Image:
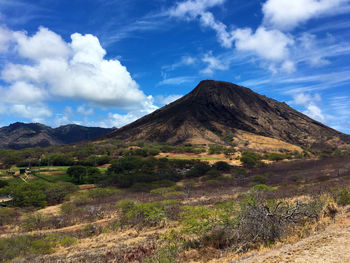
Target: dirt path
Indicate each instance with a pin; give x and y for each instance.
(331, 245)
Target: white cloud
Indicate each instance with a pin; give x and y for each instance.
(269, 44)
(213, 64)
(45, 44)
(225, 38)
(191, 8)
(36, 113)
(310, 103)
(288, 14)
(315, 113)
(85, 111)
(5, 38)
(21, 92)
(288, 66)
(305, 98)
(119, 120)
(75, 70)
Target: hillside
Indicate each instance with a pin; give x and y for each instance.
(216, 111)
(22, 135)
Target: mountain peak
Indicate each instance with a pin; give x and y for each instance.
(215, 109)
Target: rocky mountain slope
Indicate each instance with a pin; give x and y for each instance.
(22, 135)
(215, 111)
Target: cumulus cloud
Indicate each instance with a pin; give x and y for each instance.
(5, 38)
(288, 14)
(310, 103)
(119, 120)
(213, 64)
(315, 113)
(269, 44)
(36, 113)
(76, 70)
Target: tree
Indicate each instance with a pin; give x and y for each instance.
(78, 173)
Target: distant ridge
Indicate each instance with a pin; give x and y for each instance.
(215, 109)
(24, 135)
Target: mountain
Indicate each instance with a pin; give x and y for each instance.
(22, 135)
(217, 112)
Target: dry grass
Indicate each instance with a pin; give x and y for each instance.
(261, 143)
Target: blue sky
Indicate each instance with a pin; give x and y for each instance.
(109, 62)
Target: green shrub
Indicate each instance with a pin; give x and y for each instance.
(77, 173)
(34, 221)
(213, 173)
(126, 205)
(62, 240)
(262, 188)
(275, 156)
(24, 245)
(3, 183)
(222, 166)
(343, 197)
(7, 215)
(165, 190)
(57, 193)
(216, 149)
(27, 194)
(250, 159)
(99, 193)
(143, 214)
(199, 169)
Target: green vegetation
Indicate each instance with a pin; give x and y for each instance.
(37, 193)
(7, 215)
(19, 246)
(250, 159)
(147, 214)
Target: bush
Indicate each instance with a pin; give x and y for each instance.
(222, 166)
(99, 193)
(7, 215)
(275, 156)
(27, 194)
(213, 173)
(216, 149)
(3, 183)
(342, 197)
(20, 246)
(143, 214)
(199, 169)
(93, 175)
(250, 159)
(57, 193)
(34, 221)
